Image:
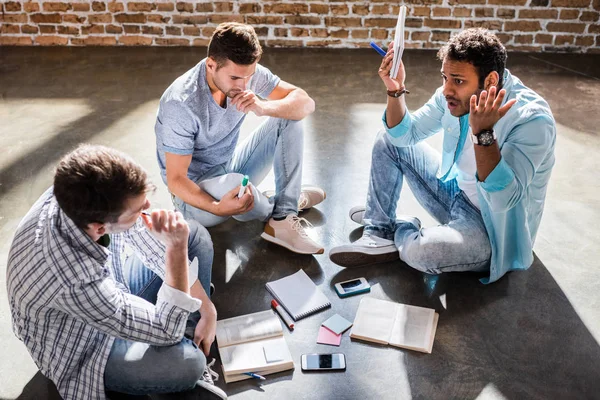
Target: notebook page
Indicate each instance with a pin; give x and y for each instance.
(247, 328)
(413, 327)
(250, 357)
(398, 42)
(374, 320)
(298, 294)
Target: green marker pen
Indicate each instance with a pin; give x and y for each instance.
(245, 180)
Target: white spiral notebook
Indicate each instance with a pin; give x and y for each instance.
(299, 295)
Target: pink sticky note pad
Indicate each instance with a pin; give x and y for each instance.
(328, 337)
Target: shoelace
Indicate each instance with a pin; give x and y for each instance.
(212, 375)
(297, 225)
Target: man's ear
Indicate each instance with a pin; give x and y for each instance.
(491, 80)
(96, 229)
(211, 64)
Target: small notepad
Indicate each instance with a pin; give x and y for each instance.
(328, 337)
(274, 351)
(299, 295)
(337, 324)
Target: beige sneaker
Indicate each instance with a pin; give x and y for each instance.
(290, 234)
(310, 196)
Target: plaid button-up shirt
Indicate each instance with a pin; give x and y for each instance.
(69, 299)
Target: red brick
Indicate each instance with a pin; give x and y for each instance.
(300, 20)
(379, 34)
(92, 29)
(95, 41)
(570, 3)
(525, 39)
(505, 13)
(299, 32)
(129, 18)
(69, 30)
(15, 41)
(114, 29)
(584, 41)
(323, 43)
(140, 6)
(73, 19)
(421, 11)
(286, 8)
(441, 12)
(218, 19)
(543, 38)
(15, 18)
(561, 40)
(208, 31)
(191, 31)
(283, 32)
(51, 40)
(165, 7)
(420, 36)
(455, 2)
(158, 19)
(589, 16)
(173, 30)
(12, 6)
(359, 33)
(524, 26)
(152, 30)
(98, 6)
(491, 25)
(357, 9)
(565, 27)
(81, 7)
(223, 7)
(380, 9)
(132, 29)
(100, 18)
(29, 29)
(201, 42)
(115, 7)
(204, 7)
(538, 14)
(31, 7)
(485, 12)
(413, 22)
(381, 22)
(339, 9)
(595, 28)
(569, 14)
(54, 6)
(508, 2)
(442, 23)
(248, 8)
(503, 37)
(172, 42)
(43, 18)
(269, 19)
(47, 29)
(135, 40)
(10, 29)
(440, 36)
(262, 31)
(462, 12)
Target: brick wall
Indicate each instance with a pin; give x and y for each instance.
(523, 25)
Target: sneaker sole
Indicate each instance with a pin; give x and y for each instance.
(281, 243)
(350, 259)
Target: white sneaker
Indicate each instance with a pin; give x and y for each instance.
(369, 249)
(357, 213)
(290, 234)
(310, 196)
(207, 382)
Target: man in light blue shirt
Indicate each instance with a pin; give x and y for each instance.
(488, 189)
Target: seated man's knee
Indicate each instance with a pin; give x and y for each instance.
(231, 181)
(190, 367)
(419, 256)
(381, 145)
(199, 237)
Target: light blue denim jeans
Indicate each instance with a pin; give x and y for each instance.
(276, 143)
(139, 368)
(461, 243)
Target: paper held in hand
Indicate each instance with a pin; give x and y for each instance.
(398, 43)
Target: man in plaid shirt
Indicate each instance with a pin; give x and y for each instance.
(95, 318)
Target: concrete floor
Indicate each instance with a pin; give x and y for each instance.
(534, 334)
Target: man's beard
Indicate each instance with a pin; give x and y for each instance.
(230, 93)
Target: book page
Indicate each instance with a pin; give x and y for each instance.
(250, 357)
(398, 42)
(413, 327)
(374, 320)
(247, 328)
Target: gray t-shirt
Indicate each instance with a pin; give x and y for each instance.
(189, 120)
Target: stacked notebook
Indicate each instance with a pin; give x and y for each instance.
(396, 324)
(252, 343)
(298, 294)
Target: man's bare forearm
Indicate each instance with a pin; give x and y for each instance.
(395, 111)
(191, 194)
(295, 106)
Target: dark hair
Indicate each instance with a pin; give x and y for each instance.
(93, 183)
(236, 42)
(479, 47)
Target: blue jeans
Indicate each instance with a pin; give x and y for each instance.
(276, 143)
(461, 243)
(139, 368)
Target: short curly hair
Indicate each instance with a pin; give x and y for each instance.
(236, 42)
(479, 47)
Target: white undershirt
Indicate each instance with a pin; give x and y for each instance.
(466, 172)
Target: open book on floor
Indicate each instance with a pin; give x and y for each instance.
(252, 343)
(396, 324)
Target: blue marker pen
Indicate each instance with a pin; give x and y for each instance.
(378, 49)
(255, 376)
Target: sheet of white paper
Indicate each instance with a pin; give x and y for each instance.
(275, 351)
(398, 43)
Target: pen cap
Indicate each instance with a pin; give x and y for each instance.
(245, 180)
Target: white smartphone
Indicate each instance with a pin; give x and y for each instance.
(323, 362)
(352, 287)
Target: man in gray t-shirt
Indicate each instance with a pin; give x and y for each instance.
(197, 130)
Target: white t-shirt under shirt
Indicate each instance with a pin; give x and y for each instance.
(467, 182)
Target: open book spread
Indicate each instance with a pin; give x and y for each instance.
(400, 325)
(398, 43)
(252, 343)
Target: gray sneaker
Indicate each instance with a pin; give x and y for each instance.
(207, 382)
(357, 213)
